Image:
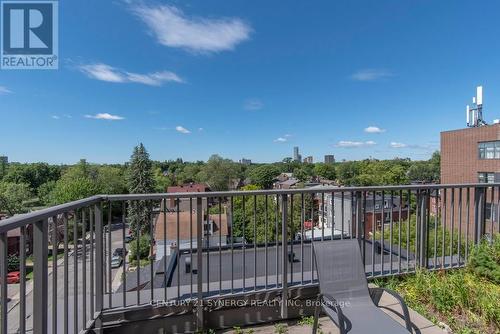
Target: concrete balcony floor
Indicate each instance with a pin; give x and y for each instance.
(421, 325)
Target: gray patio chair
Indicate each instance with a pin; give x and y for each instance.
(344, 293)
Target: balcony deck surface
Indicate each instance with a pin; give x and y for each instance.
(421, 325)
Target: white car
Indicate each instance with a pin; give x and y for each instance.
(116, 261)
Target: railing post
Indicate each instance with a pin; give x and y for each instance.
(40, 276)
(199, 266)
(479, 213)
(423, 260)
(3, 286)
(284, 248)
(359, 223)
(99, 250)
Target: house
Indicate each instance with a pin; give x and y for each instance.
(14, 241)
(186, 188)
(184, 224)
(235, 184)
(288, 184)
(284, 177)
(342, 216)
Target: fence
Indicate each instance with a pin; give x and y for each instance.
(198, 247)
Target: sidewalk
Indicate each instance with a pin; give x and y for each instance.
(29, 283)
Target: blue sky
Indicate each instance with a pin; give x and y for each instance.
(253, 79)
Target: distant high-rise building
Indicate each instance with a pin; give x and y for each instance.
(244, 161)
(329, 159)
(308, 159)
(296, 154)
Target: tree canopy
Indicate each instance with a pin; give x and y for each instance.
(42, 184)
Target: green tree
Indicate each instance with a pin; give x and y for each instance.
(426, 171)
(13, 197)
(325, 170)
(301, 173)
(264, 175)
(218, 173)
(347, 172)
(144, 248)
(162, 181)
(189, 173)
(71, 189)
(140, 181)
(3, 168)
(34, 174)
(258, 218)
(111, 180)
(45, 193)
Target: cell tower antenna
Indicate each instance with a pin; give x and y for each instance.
(474, 113)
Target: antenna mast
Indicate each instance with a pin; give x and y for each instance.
(474, 113)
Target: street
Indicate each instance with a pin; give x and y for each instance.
(82, 267)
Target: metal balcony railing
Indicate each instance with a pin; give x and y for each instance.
(207, 247)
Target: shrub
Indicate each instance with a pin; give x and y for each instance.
(12, 263)
(484, 259)
(144, 247)
(466, 299)
(443, 239)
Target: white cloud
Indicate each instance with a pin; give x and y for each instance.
(4, 90)
(253, 104)
(355, 144)
(182, 129)
(104, 72)
(200, 129)
(281, 140)
(371, 75)
(394, 144)
(374, 129)
(105, 116)
(61, 116)
(174, 29)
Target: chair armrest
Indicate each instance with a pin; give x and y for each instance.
(333, 304)
(376, 294)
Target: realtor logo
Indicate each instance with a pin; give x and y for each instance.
(29, 34)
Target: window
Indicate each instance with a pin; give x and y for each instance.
(485, 177)
(489, 150)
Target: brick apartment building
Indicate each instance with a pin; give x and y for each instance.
(471, 155)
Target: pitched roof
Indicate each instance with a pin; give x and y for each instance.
(189, 188)
(186, 219)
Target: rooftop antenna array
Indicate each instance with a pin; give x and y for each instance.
(474, 112)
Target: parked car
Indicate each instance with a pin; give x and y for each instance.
(128, 238)
(120, 252)
(116, 261)
(13, 277)
(79, 250)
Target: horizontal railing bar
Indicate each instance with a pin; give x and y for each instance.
(28, 218)
(32, 217)
(312, 190)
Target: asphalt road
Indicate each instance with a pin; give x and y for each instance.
(81, 274)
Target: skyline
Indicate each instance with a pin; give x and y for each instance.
(191, 79)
